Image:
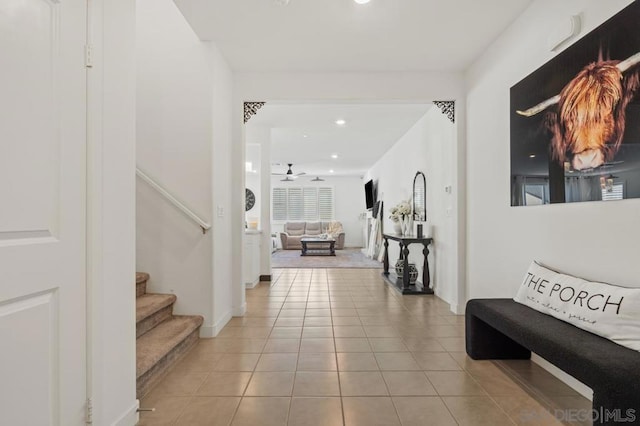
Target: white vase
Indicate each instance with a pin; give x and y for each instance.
(406, 225)
(397, 228)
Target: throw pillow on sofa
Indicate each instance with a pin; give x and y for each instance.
(335, 229)
(607, 310)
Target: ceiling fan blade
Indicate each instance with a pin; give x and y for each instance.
(300, 174)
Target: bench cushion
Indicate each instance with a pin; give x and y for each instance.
(596, 361)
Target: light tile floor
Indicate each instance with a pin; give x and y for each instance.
(338, 347)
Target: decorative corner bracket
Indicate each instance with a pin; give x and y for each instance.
(448, 108)
(251, 109)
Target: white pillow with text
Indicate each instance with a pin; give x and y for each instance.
(606, 310)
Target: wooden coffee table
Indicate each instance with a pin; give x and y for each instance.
(318, 246)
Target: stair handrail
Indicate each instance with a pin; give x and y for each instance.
(173, 200)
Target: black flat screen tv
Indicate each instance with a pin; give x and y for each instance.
(369, 194)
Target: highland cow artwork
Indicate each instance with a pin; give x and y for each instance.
(575, 122)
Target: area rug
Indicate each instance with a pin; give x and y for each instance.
(347, 258)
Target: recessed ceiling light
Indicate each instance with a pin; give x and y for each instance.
(532, 156)
(362, 1)
(334, 156)
(331, 171)
(341, 122)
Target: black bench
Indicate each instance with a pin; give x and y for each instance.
(505, 329)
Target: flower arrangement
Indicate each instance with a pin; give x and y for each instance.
(399, 212)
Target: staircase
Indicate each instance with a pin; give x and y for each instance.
(161, 337)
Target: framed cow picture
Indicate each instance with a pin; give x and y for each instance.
(575, 121)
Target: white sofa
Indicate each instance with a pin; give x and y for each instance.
(294, 231)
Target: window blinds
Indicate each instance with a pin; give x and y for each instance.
(302, 203)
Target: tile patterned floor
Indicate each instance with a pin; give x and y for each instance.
(338, 347)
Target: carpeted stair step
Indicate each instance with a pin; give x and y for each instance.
(141, 283)
(159, 348)
(151, 310)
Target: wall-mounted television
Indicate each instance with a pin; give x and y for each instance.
(369, 193)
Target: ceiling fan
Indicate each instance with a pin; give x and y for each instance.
(289, 174)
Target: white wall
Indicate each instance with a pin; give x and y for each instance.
(349, 204)
(253, 182)
(183, 135)
(258, 140)
(110, 211)
(595, 240)
(427, 147)
(224, 281)
(373, 86)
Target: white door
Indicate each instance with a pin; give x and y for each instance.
(42, 212)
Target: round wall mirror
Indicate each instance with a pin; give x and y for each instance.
(419, 197)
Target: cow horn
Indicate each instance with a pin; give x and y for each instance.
(622, 66)
(629, 62)
(540, 107)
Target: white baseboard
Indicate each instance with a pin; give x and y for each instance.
(453, 307)
(213, 330)
(130, 417)
(457, 309)
(240, 311)
(252, 285)
(207, 331)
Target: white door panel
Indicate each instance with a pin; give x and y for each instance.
(35, 349)
(42, 212)
(28, 115)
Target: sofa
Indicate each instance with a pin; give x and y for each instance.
(294, 231)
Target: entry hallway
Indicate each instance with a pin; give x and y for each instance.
(338, 347)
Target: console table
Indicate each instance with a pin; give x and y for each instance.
(402, 283)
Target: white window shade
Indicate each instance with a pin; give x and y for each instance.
(297, 203)
(279, 204)
(325, 204)
(310, 203)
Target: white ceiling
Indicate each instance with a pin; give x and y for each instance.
(370, 130)
(340, 35)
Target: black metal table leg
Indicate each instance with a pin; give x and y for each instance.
(426, 276)
(386, 256)
(405, 272)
